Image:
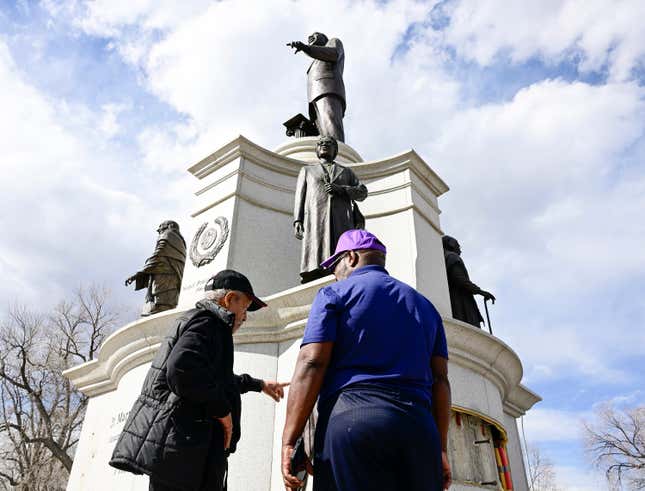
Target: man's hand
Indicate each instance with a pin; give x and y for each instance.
(227, 426)
(297, 45)
(334, 189)
(275, 390)
(447, 473)
(298, 230)
(130, 280)
(290, 482)
(487, 295)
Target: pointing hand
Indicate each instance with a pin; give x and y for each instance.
(297, 45)
(273, 389)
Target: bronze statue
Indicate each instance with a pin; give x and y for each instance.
(163, 271)
(462, 290)
(325, 87)
(325, 207)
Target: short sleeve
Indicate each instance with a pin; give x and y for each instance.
(440, 347)
(323, 318)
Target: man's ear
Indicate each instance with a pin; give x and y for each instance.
(228, 298)
(353, 258)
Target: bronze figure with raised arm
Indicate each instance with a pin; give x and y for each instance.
(325, 87)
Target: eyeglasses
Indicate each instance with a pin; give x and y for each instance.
(333, 265)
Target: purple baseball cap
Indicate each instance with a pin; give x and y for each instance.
(353, 240)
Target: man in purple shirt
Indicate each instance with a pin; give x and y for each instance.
(374, 354)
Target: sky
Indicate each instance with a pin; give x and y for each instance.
(532, 112)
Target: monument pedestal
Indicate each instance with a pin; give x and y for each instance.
(250, 189)
(242, 220)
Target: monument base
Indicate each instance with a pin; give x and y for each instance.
(247, 192)
(484, 374)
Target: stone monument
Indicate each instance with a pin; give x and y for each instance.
(242, 219)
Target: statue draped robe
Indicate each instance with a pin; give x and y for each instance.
(462, 291)
(324, 217)
(162, 273)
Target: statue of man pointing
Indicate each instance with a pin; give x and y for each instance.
(325, 87)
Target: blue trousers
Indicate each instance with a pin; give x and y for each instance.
(375, 437)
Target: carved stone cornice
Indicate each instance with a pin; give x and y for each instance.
(285, 319)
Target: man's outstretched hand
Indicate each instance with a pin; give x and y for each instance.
(275, 390)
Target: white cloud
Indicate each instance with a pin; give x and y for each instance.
(626, 401)
(543, 195)
(602, 33)
(574, 478)
(560, 350)
(551, 425)
(66, 218)
(111, 17)
(109, 124)
(547, 166)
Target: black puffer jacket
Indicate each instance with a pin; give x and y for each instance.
(170, 428)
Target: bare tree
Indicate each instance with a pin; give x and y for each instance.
(41, 413)
(541, 475)
(616, 442)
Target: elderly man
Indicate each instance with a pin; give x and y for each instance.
(374, 353)
(325, 87)
(324, 207)
(186, 421)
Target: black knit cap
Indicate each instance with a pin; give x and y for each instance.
(227, 279)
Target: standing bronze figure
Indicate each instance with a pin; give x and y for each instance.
(462, 290)
(163, 271)
(324, 207)
(325, 87)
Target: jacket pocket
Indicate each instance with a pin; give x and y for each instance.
(189, 432)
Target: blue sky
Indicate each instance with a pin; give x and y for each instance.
(534, 114)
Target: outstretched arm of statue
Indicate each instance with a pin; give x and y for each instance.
(322, 53)
(140, 279)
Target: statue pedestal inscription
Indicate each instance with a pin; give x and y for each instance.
(243, 219)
